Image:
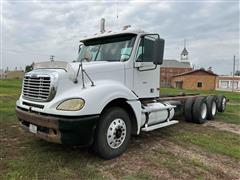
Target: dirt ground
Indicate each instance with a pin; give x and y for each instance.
(224, 126)
(139, 158)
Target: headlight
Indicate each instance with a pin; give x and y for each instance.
(71, 105)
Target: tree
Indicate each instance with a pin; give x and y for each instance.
(237, 73)
(29, 67)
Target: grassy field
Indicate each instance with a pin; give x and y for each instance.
(182, 151)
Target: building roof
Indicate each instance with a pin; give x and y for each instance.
(184, 52)
(194, 71)
(172, 63)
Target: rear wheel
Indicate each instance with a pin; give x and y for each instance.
(113, 133)
(188, 109)
(200, 110)
(221, 103)
(211, 107)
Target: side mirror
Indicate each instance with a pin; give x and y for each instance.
(158, 51)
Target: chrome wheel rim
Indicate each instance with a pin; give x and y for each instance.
(214, 108)
(223, 103)
(203, 110)
(116, 133)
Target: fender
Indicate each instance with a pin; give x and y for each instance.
(95, 97)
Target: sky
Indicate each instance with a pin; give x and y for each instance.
(32, 30)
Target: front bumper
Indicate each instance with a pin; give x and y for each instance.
(60, 129)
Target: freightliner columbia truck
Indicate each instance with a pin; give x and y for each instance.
(109, 94)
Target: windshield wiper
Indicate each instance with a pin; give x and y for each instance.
(83, 72)
(97, 52)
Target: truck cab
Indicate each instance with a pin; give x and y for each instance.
(110, 93)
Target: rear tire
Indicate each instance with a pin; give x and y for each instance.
(211, 107)
(188, 109)
(221, 103)
(200, 110)
(113, 133)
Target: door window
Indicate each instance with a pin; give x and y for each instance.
(145, 50)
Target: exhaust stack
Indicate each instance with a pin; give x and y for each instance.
(102, 25)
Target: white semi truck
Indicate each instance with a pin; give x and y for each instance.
(110, 93)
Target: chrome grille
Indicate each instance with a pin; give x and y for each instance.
(37, 87)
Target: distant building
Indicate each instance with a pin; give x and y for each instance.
(172, 67)
(2, 74)
(17, 74)
(195, 79)
(226, 83)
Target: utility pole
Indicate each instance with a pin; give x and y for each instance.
(51, 58)
(233, 73)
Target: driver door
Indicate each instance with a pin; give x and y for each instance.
(145, 73)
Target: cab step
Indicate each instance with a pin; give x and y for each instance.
(160, 125)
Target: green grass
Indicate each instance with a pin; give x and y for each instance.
(140, 175)
(23, 156)
(231, 115)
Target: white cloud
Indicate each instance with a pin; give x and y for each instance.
(36, 29)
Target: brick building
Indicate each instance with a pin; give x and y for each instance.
(171, 67)
(195, 79)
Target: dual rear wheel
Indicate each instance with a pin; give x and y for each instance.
(200, 109)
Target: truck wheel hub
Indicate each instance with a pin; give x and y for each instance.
(223, 103)
(214, 108)
(203, 110)
(116, 133)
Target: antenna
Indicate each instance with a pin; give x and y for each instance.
(184, 43)
(51, 58)
(117, 14)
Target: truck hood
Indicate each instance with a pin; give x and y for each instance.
(97, 70)
(96, 66)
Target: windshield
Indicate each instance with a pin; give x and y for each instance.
(107, 49)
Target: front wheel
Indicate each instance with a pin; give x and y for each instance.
(113, 133)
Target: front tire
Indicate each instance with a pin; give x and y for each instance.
(113, 133)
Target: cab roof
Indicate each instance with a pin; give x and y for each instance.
(112, 33)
